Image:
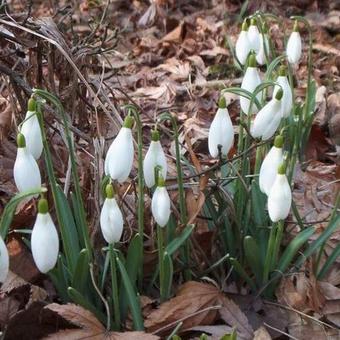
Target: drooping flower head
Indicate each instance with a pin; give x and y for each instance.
(111, 218)
(294, 45)
(44, 239)
(287, 98)
(264, 51)
(221, 132)
(242, 47)
(4, 261)
(160, 204)
(154, 157)
(254, 36)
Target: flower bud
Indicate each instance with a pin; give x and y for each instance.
(160, 204)
(44, 239)
(4, 261)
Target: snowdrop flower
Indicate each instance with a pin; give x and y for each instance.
(4, 261)
(26, 171)
(270, 165)
(44, 239)
(294, 45)
(250, 81)
(154, 157)
(111, 218)
(254, 36)
(280, 196)
(160, 204)
(287, 99)
(264, 44)
(268, 119)
(242, 47)
(119, 158)
(221, 131)
(31, 130)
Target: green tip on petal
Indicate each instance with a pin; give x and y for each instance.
(160, 181)
(155, 135)
(252, 60)
(281, 170)
(109, 190)
(282, 71)
(278, 141)
(21, 141)
(296, 26)
(43, 206)
(32, 104)
(222, 103)
(244, 26)
(128, 122)
(279, 94)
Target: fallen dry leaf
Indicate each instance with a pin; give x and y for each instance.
(262, 334)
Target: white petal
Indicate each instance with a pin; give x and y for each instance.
(242, 47)
(155, 156)
(111, 221)
(279, 199)
(267, 120)
(221, 132)
(268, 169)
(31, 130)
(26, 171)
(254, 38)
(294, 48)
(261, 55)
(119, 158)
(4, 260)
(44, 243)
(287, 98)
(250, 81)
(160, 206)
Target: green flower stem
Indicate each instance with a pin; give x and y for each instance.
(114, 283)
(270, 250)
(140, 212)
(160, 244)
(278, 239)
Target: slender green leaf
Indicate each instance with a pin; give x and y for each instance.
(178, 241)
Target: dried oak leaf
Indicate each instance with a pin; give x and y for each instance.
(193, 305)
(89, 326)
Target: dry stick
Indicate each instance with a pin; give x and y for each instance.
(68, 58)
(281, 332)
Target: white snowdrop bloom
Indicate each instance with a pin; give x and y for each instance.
(261, 54)
(26, 171)
(221, 131)
(254, 36)
(280, 197)
(287, 98)
(31, 130)
(119, 158)
(270, 164)
(160, 204)
(4, 261)
(242, 47)
(44, 239)
(154, 157)
(294, 46)
(268, 119)
(111, 218)
(250, 81)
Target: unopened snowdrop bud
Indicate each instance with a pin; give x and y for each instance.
(26, 171)
(280, 196)
(250, 81)
(4, 261)
(154, 157)
(160, 204)
(221, 132)
(268, 119)
(119, 158)
(111, 218)
(31, 130)
(44, 239)
(242, 47)
(287, 98)
(270, 165)
(254, 36)
(263, 53)
(294, 45)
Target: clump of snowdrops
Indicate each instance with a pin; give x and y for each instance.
(247, 201)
